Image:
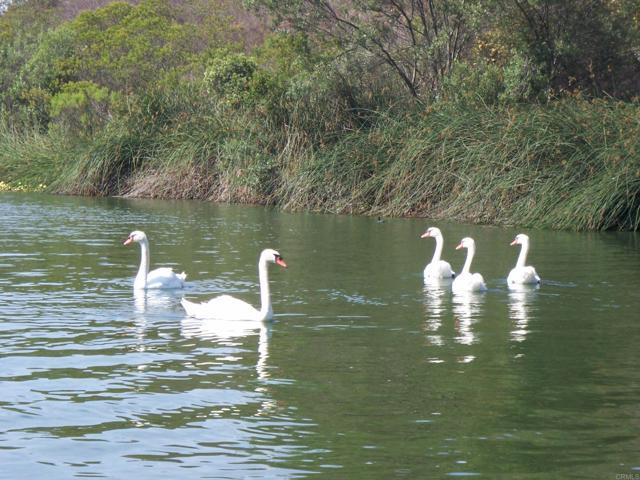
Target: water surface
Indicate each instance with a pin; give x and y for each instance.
(365, 372)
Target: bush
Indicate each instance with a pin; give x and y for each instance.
(82, 107)
(479, 84)
(524, 81)
(230, 76)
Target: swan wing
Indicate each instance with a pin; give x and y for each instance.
(468, 282)
(445, 269)
(478, 284)
(165, 277)
(224, 307)
(461, 283)
(439, 270)
(532, 275)
(430, 272)
(523, 275)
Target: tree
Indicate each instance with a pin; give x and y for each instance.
(120, 46)
(419, 40)
(591, 46)
(22, 27)
(81, 107)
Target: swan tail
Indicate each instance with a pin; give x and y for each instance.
(182, 276)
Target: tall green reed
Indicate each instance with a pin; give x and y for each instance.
(571, 164)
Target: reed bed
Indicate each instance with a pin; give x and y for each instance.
(31, 159)
(572, 164)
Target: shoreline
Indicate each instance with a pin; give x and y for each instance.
(572, 165)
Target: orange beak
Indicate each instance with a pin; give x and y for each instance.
(128, 241)
(515, 242)
(280, 262)
(459, 247)
(425, 235)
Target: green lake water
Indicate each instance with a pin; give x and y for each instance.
(364, 373)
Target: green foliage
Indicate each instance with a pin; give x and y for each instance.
(121, 47)
(82, 107)
(286, 55)
(124, 47)
(418, 41)
(321, 105)
(32, 158)
(523, 81)
(35, 106)
(572, 165)
(484, 120)
(21, 30)
(236, 80)
(474, 84)
(52, 64)
(573, 45)
(231, 76)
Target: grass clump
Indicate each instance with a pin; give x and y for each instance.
(31, 160)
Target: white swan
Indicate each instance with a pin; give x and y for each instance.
(226, 307)
(437, 269)
(163, 277)
(522, 274)
(467, 281)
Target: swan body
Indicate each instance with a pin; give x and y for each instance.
(437, 269)
(467, 281)
(226, 307)
(163, 277)
(522, 274)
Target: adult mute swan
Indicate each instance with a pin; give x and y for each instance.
(226, 307)
(467, 281)
(163, 277)
(522, 274)
(437, 269)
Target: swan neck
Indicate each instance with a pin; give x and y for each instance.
(522, 258)
(266, 310)
(471, 251)
(143, 271)
(438, 251)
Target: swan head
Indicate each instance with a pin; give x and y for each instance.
(432, 232)
(521, 239)
(272, 256)
(135, 236)
(466, 242)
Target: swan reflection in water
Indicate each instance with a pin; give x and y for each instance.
(435, 292)
(228, 332)
(520, 301)
(155, 300)
(466, 308)
(145, 304)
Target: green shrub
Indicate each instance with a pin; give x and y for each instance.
(479, 84)
(524, 81)
(82, 107)
(231, 76)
